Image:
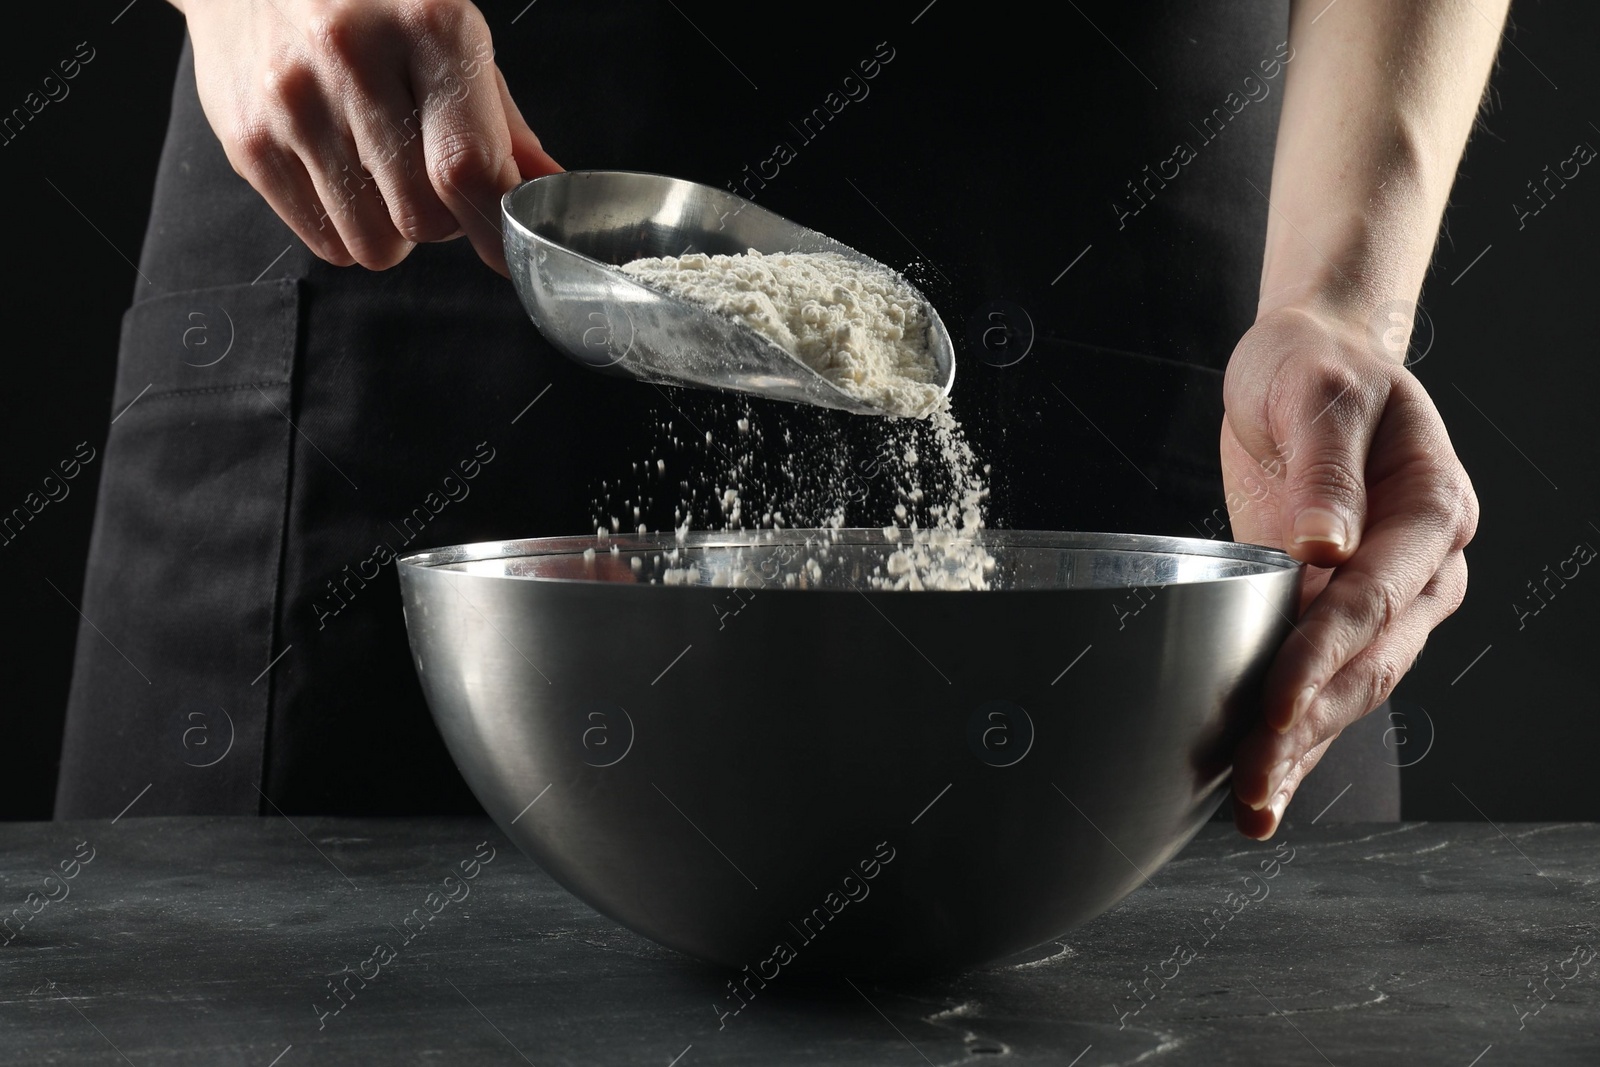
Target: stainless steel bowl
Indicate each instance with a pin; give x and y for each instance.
(567, 234)
(875, 780)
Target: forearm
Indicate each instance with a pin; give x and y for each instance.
(1379, 98)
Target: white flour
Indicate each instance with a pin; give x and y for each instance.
(865, 330)
(925, 493)
(945, 555)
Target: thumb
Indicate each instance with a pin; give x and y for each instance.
(1325, 497)
(532, 160)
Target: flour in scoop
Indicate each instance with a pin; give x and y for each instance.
(863, 328)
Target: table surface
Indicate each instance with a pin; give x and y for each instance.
(214, 941)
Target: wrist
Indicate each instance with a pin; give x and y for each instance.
(1347, 300)
(1358, 239)
(1332, 321)
(1347, 269)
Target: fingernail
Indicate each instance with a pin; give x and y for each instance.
(1274, 781)
(1301, 702)
(1275, 809)
(1320, 524)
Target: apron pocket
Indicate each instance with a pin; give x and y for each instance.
(170, 687)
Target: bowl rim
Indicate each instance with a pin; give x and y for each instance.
(1271, 560)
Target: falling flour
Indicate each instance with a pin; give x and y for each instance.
(946, 554)
(866, 330)
(861, 327)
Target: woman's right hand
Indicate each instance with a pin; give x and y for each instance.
(368, 125)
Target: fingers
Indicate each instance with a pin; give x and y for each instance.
(1421, 511)
(296, 148)
(327, 106)
(1261, 823)
(467, 144)
(1268, 764)
(351, 201)
(367, 127)
(281, 179)
(387, 125)
(1371, 678)
(400, 163)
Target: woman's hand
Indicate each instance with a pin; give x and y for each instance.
(1333, 451)
(1330, 448)
(368, 125)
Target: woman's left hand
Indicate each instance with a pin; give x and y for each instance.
(1333, 451)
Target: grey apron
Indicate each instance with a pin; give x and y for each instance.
(1079, 212)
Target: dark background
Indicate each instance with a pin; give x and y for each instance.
(1512, 738)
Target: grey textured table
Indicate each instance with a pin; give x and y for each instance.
(222, 941)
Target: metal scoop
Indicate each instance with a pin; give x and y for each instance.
(567, 235)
